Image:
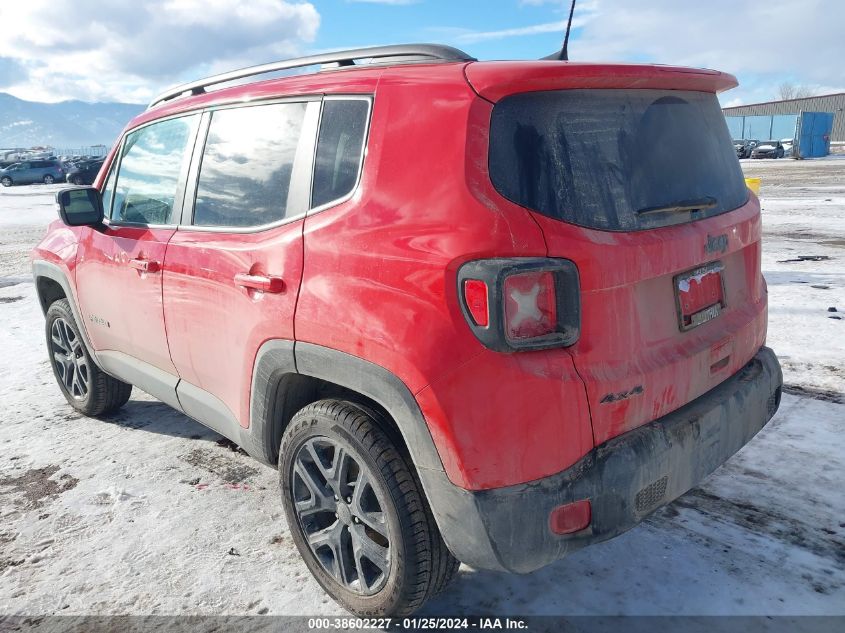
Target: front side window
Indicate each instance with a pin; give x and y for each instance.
(152, 171)
(247, 164)
(108, 188)
(340, 146)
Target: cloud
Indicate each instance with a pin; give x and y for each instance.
(763, 42)
(11, 71)
(584, 13)
(470, 37)
(129, 50)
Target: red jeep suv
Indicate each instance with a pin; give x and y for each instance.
(488, 312)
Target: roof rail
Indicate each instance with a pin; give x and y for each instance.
(400, 53)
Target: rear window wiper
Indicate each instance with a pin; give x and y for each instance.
(697, 204)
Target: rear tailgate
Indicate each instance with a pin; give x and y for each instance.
(636, 360)
(641, 188)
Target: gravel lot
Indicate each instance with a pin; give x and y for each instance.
(148, 512)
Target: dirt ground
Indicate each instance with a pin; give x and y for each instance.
(147, 512)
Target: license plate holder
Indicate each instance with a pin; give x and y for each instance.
(699, 295)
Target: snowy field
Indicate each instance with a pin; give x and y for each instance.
(150, 513)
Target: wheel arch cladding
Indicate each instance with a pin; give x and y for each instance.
(285, 368)
(49, 290)
(50, 279)
(288, 375)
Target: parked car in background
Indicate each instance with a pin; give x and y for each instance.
(744, 147)
(83, 172)
(24, 173)
(768, 149)
(787, 146)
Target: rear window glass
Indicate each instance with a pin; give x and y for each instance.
(618, 160)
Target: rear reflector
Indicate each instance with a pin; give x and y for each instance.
(530, 305)
(475, 296)
(572, 517)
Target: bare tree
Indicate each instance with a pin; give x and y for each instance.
(789, 90)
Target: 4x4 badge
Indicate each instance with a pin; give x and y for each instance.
(716, 243)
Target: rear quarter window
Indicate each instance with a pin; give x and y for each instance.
(619, 160)
(340, 149)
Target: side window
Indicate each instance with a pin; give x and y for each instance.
(108, 187)
(340, 146)
(152, 170)
(245, 175)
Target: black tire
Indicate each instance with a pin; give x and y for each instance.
(85, 386)
(6, 181)
(76, 180)
(417, 562)
(48, 179)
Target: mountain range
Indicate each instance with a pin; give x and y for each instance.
(66, 124)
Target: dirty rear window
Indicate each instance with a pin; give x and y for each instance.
(620, 160)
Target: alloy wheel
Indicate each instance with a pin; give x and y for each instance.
(341, 515)
(69, 359)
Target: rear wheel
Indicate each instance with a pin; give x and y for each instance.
(357, 514)
(84, 385)
(48, 179)
(76, 180)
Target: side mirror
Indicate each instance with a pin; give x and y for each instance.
(80, 207)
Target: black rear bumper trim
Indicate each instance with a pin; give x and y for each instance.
(625, 479)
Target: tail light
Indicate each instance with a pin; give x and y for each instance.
(521, 303)
(530, 305)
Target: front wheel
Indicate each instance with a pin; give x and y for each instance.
(85, 386)
(6, 181)
(357, 514)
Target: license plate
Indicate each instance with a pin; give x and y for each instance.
(699, 295)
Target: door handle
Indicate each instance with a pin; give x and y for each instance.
(145, 265)
(264, 283)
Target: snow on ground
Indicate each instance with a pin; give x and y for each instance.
(148, 512)
(803, 206)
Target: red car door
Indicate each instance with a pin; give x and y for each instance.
(119, 266)
(233, 269)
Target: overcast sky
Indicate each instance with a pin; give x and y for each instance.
(129, 50)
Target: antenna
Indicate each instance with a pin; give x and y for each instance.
(564, 53)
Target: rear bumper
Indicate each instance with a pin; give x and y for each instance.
(625, 479)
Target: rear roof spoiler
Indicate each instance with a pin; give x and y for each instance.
(495, 80)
